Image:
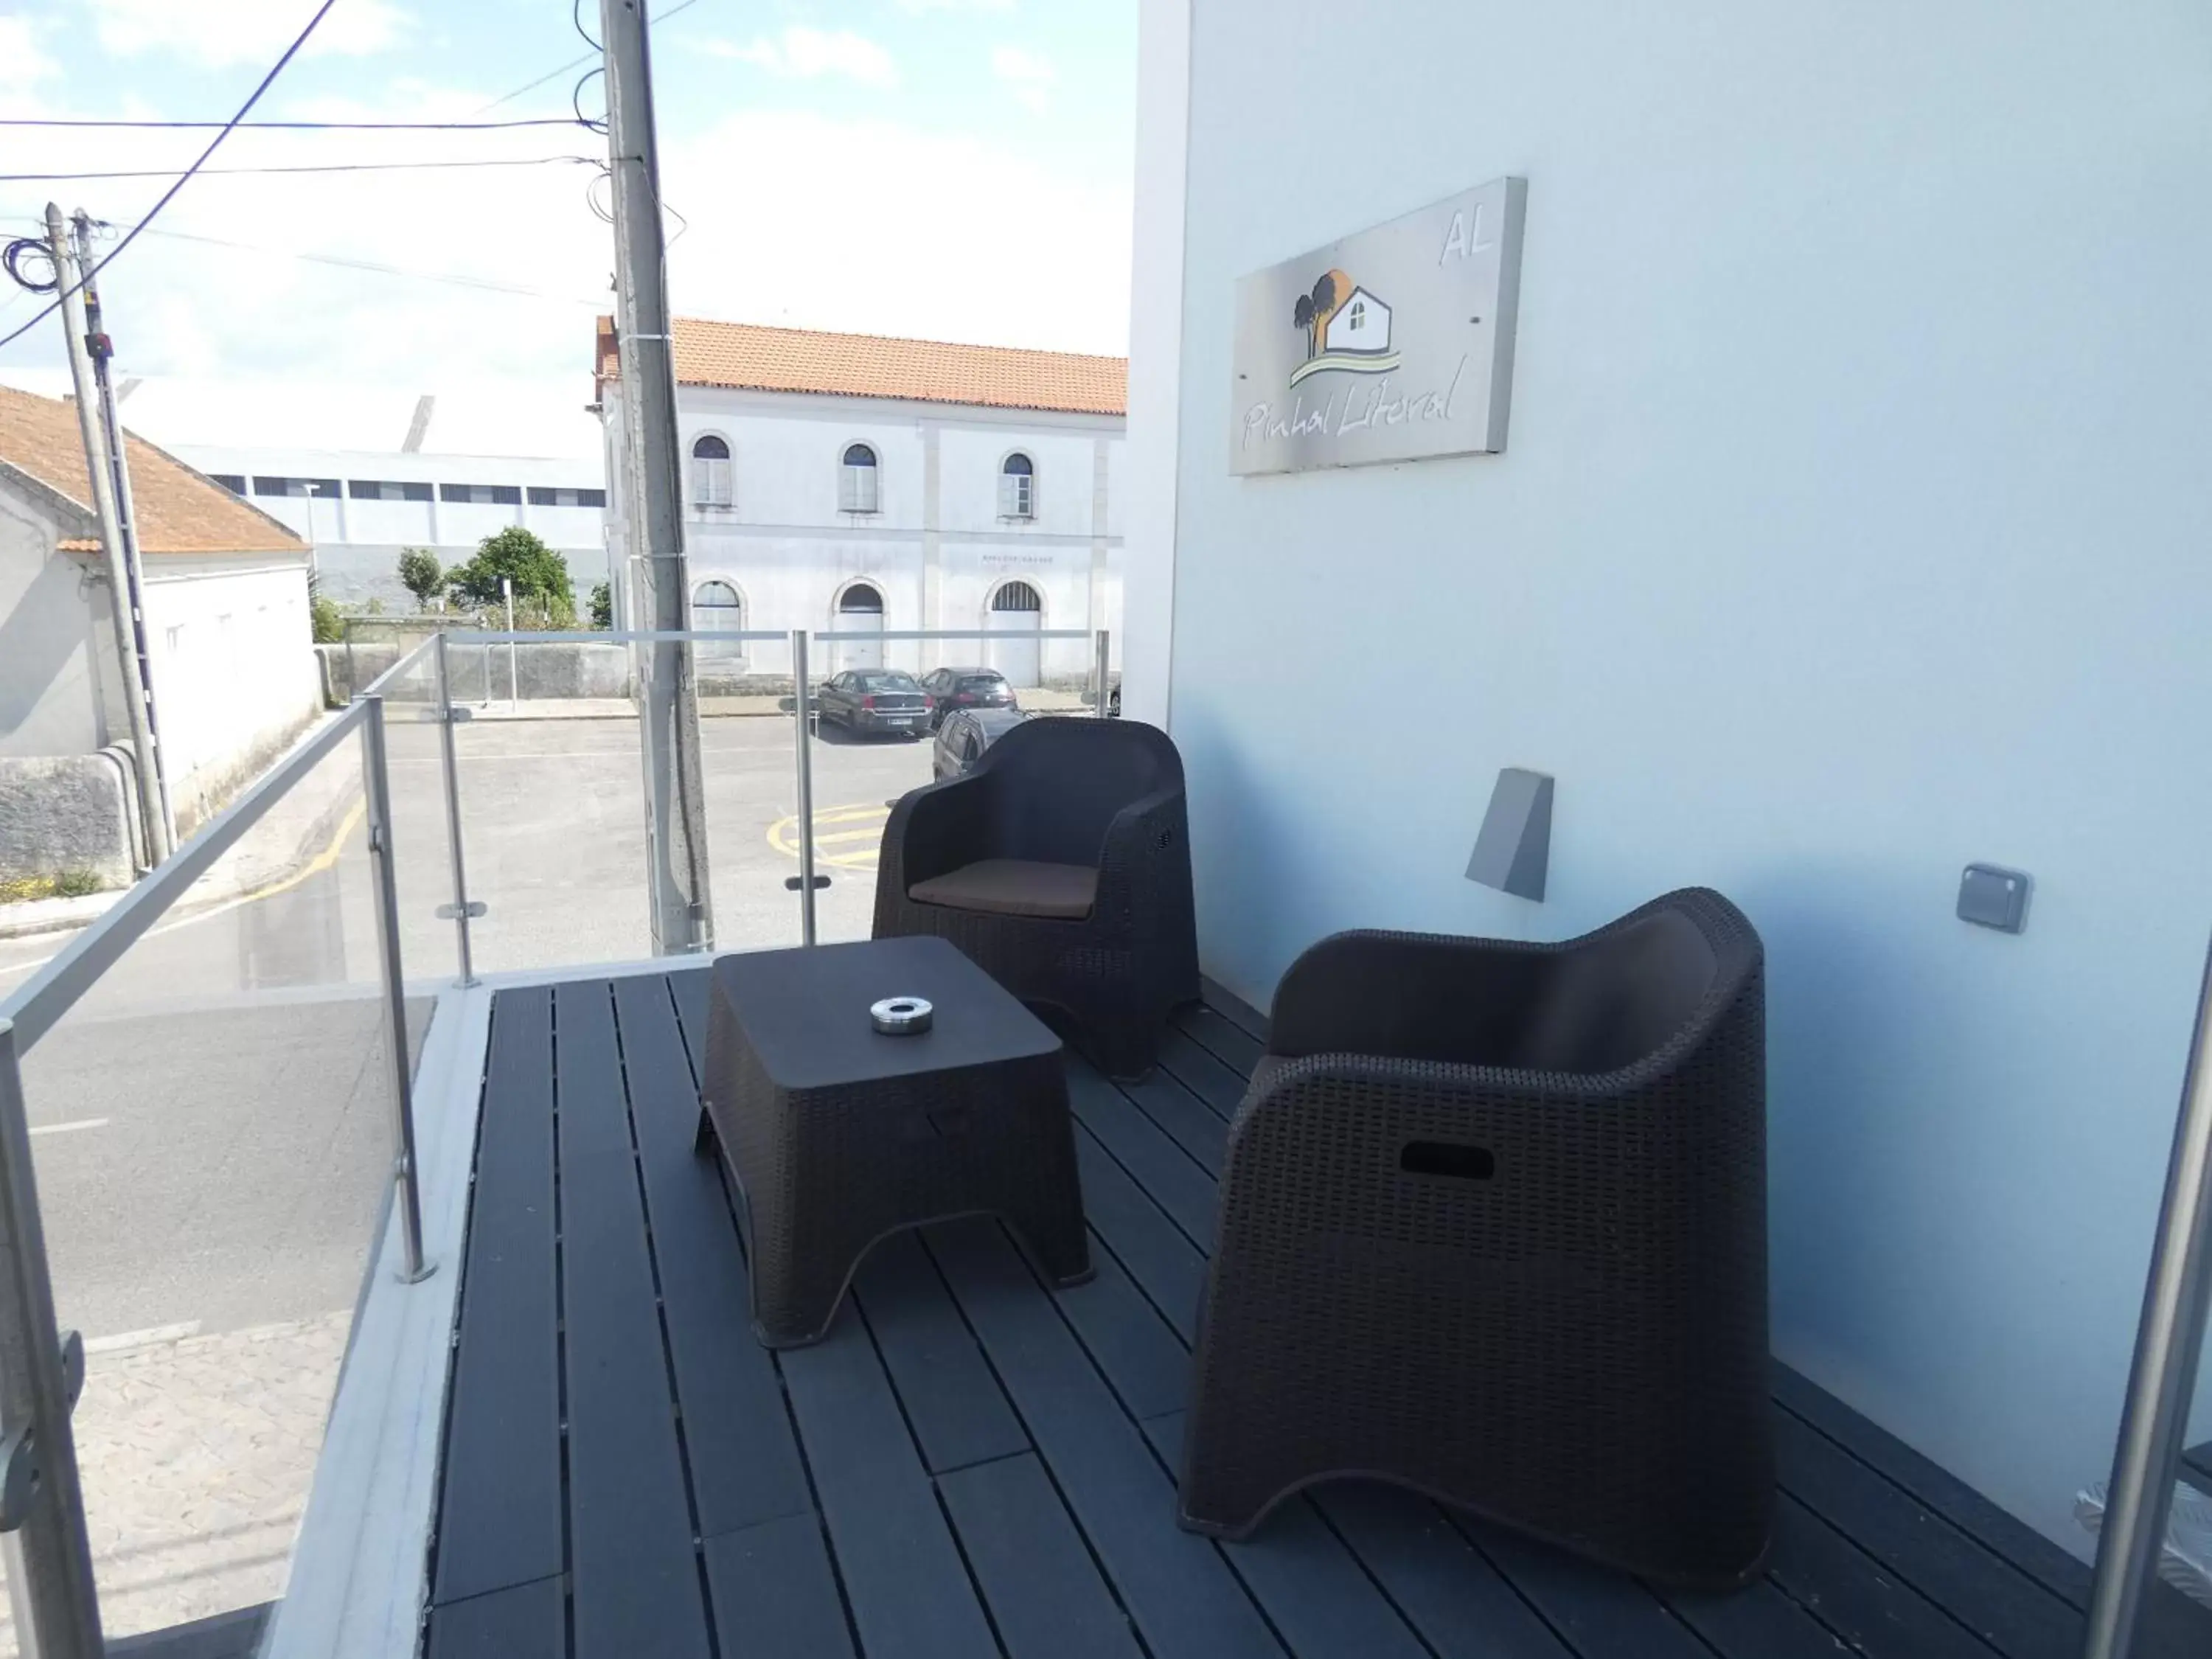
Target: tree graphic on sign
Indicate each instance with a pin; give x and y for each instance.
(1314, 310)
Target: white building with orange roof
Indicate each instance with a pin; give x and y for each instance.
(228, 638)
(857, 484)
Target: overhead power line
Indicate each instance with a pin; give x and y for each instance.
(294, 126)
(322, 166)
(453, 278)
(183, 178)
(575, 63)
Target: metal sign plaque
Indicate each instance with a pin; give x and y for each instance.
(1392, 344)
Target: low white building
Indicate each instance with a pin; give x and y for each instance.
(225, 593)
(361, 508)
(856, 483)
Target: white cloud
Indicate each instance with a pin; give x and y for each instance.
(919, 6)
(804, 53)
(954, 238)
(247, 30)
(21, 62)
(1029, 75)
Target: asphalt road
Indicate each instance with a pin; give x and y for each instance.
(212, 1126)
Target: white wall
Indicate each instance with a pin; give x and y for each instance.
(233, 669)
(1853, 527)
(49, 703)
(789, 550)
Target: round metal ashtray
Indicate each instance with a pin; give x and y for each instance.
(901, 1016)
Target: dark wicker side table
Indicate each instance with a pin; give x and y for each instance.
(839, 1134)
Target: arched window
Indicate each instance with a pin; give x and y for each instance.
(713, 487)
(856, 480)
(860, 598)
(716, 609)
(1359, 315)
(1017, 487)
(1017, 596)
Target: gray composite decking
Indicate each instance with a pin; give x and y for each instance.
(973, 1465)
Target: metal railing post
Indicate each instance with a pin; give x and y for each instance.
(2169, 1342)
(48, 1556)
(450, 757)
(800, 703)
(376, 774)
(1103, 671)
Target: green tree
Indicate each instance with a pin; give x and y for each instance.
(421, 574)
(539, 574)
(603, 606)
(325, 626)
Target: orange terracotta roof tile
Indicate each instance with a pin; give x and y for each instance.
(752, 358)
(179, 511)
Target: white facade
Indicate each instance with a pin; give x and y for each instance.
(233, 671)
(359, 509)
(944, 548)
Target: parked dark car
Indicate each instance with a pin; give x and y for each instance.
(875, 700)
(967, 687)
(965, 734)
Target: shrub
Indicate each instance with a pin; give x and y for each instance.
(421, 574)
(603, 606)
(542, 590)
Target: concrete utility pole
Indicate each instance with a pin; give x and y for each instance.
(101, 351)
(102, 477)
(676, 827)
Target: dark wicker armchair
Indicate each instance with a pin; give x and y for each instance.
(1493, 1227)
(1062, 865)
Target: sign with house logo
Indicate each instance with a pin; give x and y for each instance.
(1394, 344)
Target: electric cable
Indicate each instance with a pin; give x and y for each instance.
(317, 167)
(183, 178)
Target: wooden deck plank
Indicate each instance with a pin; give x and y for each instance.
(1600, 1614)
(1171, 1178)
(1878, 1614)
(910, 1596)
(1163, 1263)
(951, 1401)
(689, 986)
(774, 1596)
(737, 1438)
(499, 1517)
(1757, 1622)
(1310, 1585)
(1239, 1050)
(634, 1587)
(1043, 1588)
(1137, 1351)
(1937, 1488)
(523, 1621)
(1182, 1117)
(1219, 998)
(1456, 1599)
(2014, 1614)
(1186, 1601)
(1212, 1079)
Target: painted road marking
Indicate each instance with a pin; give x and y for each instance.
(857, 847)
(69, 1128)
(124, 1341)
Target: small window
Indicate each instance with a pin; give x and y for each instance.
(590, 498)
(862, 599)
(234, 482)
(1017, 596)
(316, 486)
(713, 488)
(1017, 488)
(856, 481)
(548, 495)
(385, 489)
(716, 609)
(482, 495)
(1357, 320)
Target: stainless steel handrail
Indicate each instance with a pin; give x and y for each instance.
(2169, 1344)
(1003, 636)
(36, 1003)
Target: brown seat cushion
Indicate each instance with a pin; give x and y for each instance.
(1013, 887)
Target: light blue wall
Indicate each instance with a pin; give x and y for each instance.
(1855, 525)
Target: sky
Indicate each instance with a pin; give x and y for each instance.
(951, 169)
